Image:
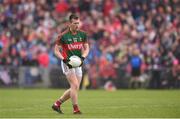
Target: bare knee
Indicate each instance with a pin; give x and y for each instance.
(73, 81)
(75, 86)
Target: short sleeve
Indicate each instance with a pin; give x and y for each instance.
(85, 37)
(59, 39)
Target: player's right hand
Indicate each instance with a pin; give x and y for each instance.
(70, 66)
(66, 61)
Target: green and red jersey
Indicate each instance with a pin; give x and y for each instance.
(72, 44)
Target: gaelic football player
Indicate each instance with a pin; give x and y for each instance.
(72, 41)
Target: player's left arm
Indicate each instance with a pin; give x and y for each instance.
(85, 50)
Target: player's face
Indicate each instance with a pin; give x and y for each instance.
(74, 24)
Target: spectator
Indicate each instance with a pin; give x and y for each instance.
(154, 25)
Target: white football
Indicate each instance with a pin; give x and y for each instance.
(75, 61)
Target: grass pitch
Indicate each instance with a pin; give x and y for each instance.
(36, 103)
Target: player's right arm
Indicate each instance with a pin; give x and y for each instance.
(58, 47)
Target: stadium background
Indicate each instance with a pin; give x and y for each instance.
(117, 30)
(121, 33)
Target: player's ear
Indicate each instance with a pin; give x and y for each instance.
(68, 23)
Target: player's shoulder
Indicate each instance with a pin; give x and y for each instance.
(83, 32)
(61, 34)
(64, 32)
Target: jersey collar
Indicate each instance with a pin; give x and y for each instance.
(73, 33)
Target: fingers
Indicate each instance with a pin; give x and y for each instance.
(70, 66)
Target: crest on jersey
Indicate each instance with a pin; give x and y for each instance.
(70, 40)
(80, 39)
(75, 39)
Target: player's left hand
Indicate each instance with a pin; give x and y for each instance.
(82, 60)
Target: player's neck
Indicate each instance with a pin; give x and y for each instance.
(73, 31)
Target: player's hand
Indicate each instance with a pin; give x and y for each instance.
(66, 61)
(82, 60)
(70, 66)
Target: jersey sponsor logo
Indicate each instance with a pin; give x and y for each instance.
(74, 46)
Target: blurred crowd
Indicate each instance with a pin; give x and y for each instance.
(118, 30)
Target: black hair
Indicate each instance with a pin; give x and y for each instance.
(73, 16)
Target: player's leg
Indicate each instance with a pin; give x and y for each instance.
(78, 73)
(63, 98)
(66, 95)
(74, 82)
(74, 87)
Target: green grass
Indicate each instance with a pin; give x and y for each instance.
(31, 103)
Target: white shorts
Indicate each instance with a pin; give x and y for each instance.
(66, 70)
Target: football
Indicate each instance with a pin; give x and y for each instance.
(75, 61)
